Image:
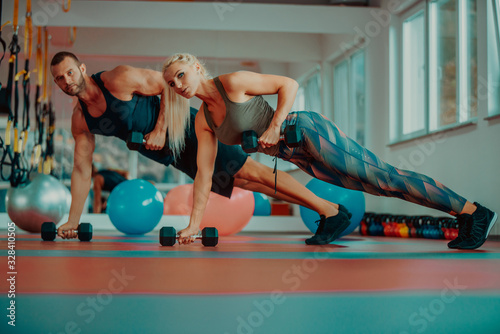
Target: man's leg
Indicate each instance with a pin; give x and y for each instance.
(257, 177)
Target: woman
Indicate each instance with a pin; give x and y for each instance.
(232, 103)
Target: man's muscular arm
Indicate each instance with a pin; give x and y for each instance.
(125, 81)
(81, 177)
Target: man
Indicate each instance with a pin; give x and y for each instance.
(105, 180)
(113, 103)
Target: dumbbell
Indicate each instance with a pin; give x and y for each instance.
(49, 231)
(209, 236)
(135, 140)
(292, 137)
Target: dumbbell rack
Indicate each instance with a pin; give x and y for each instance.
(428, 227)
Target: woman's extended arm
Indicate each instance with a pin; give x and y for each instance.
(207, 151)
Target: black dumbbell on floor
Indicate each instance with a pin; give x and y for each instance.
(49, 231)
(209, 236)
(136, 139)
(292, 137)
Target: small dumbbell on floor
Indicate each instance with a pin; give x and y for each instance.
(209, 236)
(49, 231)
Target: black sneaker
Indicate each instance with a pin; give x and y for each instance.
(321, 224)
(482, 221)
(321, 221)
(464, 227)
(329, 229)
(344, 210)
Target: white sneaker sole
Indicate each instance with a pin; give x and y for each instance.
(492, 222)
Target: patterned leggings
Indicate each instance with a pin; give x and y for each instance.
(329, 155)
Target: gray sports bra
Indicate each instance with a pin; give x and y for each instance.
(255, 114)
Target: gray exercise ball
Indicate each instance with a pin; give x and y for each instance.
(43, 199)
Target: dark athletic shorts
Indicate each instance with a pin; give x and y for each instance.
(228, 162)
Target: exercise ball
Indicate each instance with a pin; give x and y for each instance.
(228, 215)
(262, 205)
(353, 200)
(135, 207)
(43, 199)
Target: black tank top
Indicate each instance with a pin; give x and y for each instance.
(120, 117)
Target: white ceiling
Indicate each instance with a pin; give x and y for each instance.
(239, 30)
(230, 35)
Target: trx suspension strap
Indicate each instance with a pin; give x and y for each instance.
(19, 173)
(66, 7)
(14, 50)
(48, 165)
(2, 42)
(37, 150)
(47, 161)
(4, 48)
(28, 41)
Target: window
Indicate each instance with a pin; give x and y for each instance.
(312, 93)
(438, 68)
(300, 102)
(492, 91)
(309, 93)
(413, 112)
(349, 111)
(496, 20)
(452, 62)
(341, 94)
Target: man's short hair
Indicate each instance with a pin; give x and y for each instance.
(60, 56)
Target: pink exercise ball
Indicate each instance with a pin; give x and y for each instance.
(228, 215)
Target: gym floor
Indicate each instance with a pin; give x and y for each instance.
(251, 283)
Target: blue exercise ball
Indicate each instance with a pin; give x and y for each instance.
(353, 200)
(262, 205)
(135, 207)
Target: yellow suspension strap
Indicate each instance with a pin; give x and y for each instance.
(48, 165)
(43, 121)
(13, 115)
(19, 173)
(2, 108)
(20, 169)
(72, 35)
(2, 42)
(28, 41)
(45, 107)
(66, 6)
(47, 161)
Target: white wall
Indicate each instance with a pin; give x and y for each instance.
(467, 159)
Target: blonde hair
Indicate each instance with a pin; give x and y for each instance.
(178, 114)
(178, 118)
(188, 59)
